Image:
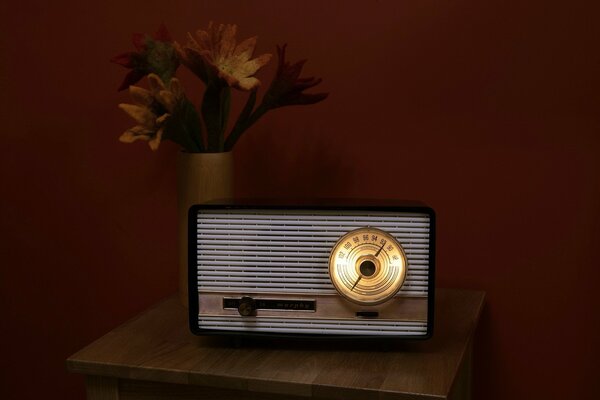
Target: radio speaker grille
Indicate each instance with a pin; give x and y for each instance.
(263, 251)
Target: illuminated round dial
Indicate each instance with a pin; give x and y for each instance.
(367, 266)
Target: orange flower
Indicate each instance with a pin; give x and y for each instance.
(214, 51)
(151, 109)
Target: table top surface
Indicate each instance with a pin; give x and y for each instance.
(158, 346)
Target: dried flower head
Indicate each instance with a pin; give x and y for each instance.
(164, 113)
(151, 109)
(287, 87)
(153, 54)
(213, 52)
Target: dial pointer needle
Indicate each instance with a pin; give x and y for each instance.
(356, 283)
(379, 251)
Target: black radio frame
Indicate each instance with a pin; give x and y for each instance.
(321, 205)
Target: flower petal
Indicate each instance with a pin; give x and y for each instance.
(250, 67)
(156, 84)
(306, 83)
(140, 96)
(141, 114)
(124, 59)
(287, 87)
(293, 71)
(160, 120)
(133, 134)
(139, 41)
(131, 78)
(244, 50)
(214, 52)
(227, 41)
(155, 141)
(196, 63)
(176, 88)
(228, 77)
(191, 41)
(203, 39)
(167, 99)
(248, 83)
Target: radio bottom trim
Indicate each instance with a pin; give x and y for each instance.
(325, 306)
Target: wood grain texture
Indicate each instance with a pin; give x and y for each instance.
(144, 390)
(101, 388)
(157, 346)
(461, 389)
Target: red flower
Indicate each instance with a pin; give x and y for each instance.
(287, 88)
(153, 54)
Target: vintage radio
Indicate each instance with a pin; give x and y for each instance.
(333, 270)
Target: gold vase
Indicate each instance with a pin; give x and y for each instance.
(201, 177)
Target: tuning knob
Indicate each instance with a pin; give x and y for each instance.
(247, 306)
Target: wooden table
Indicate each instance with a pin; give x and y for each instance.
(154, 356)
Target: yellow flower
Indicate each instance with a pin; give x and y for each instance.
(151, 109)
(215, 50)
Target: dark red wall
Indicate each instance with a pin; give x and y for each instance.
(486, 110)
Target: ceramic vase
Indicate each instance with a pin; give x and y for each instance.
(201, 177)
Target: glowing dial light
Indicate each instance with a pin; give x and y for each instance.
(367, 266)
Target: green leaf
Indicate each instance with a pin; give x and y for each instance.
(242, 122)
(248, 107)
(184, 128)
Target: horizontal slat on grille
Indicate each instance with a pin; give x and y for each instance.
(313, 326)
(288, 250)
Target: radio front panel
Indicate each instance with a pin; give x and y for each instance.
(311, 271)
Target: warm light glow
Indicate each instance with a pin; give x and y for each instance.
(367, 266)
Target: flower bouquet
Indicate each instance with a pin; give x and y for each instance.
(163, 112)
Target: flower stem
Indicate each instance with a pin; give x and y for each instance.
(224, 111)
(241, 126)
(215, 112)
